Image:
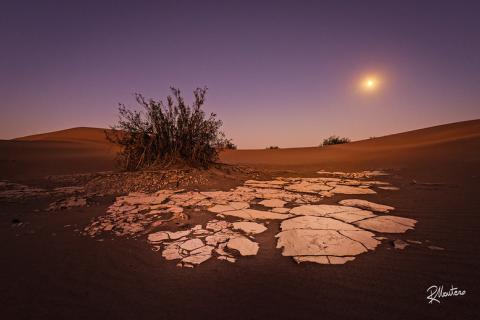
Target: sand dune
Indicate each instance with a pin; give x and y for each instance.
(80, 276)
(80, 134)
(431, 135)
(448, 143)
(76, 150)
(83, 149)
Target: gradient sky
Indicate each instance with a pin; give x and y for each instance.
(279, 72)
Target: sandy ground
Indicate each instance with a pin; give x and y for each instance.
(48, 271)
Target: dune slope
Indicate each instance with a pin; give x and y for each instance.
(445, 145)
(76, 150)
(80, 134)
(79, 150)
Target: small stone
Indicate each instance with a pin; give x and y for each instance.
(192, 244)
(364, 204)
(351, 190)
(387, 224)
(280, 210)
(195, 259)
(216, 225)
(171, 253)
(309, 187)
(238, 205)
(201, 232)
(251, 214)
(158, 236)
(272, 203)
(249, 227)
(178, 234)
(245, 246)
(399, 244)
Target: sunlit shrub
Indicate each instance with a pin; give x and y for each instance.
(168, 133)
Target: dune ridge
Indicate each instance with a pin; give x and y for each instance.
(78, 134)
(85, 149)
(429, 135)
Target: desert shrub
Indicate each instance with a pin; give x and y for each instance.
(334, 140)
(228, 145)
(167, 133)
(272, 147)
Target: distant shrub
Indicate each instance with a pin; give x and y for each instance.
(272, 147)
(228, 145)
(334, 140)
(166, 134)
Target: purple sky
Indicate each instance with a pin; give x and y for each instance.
(280, 73)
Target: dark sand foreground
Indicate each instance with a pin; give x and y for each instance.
(50, 272)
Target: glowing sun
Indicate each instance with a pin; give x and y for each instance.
(370, 83)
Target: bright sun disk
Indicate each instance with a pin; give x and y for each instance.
(369, 84)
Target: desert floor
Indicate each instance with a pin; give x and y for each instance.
(49, 271)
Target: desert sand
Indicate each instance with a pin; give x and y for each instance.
(70, 255)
